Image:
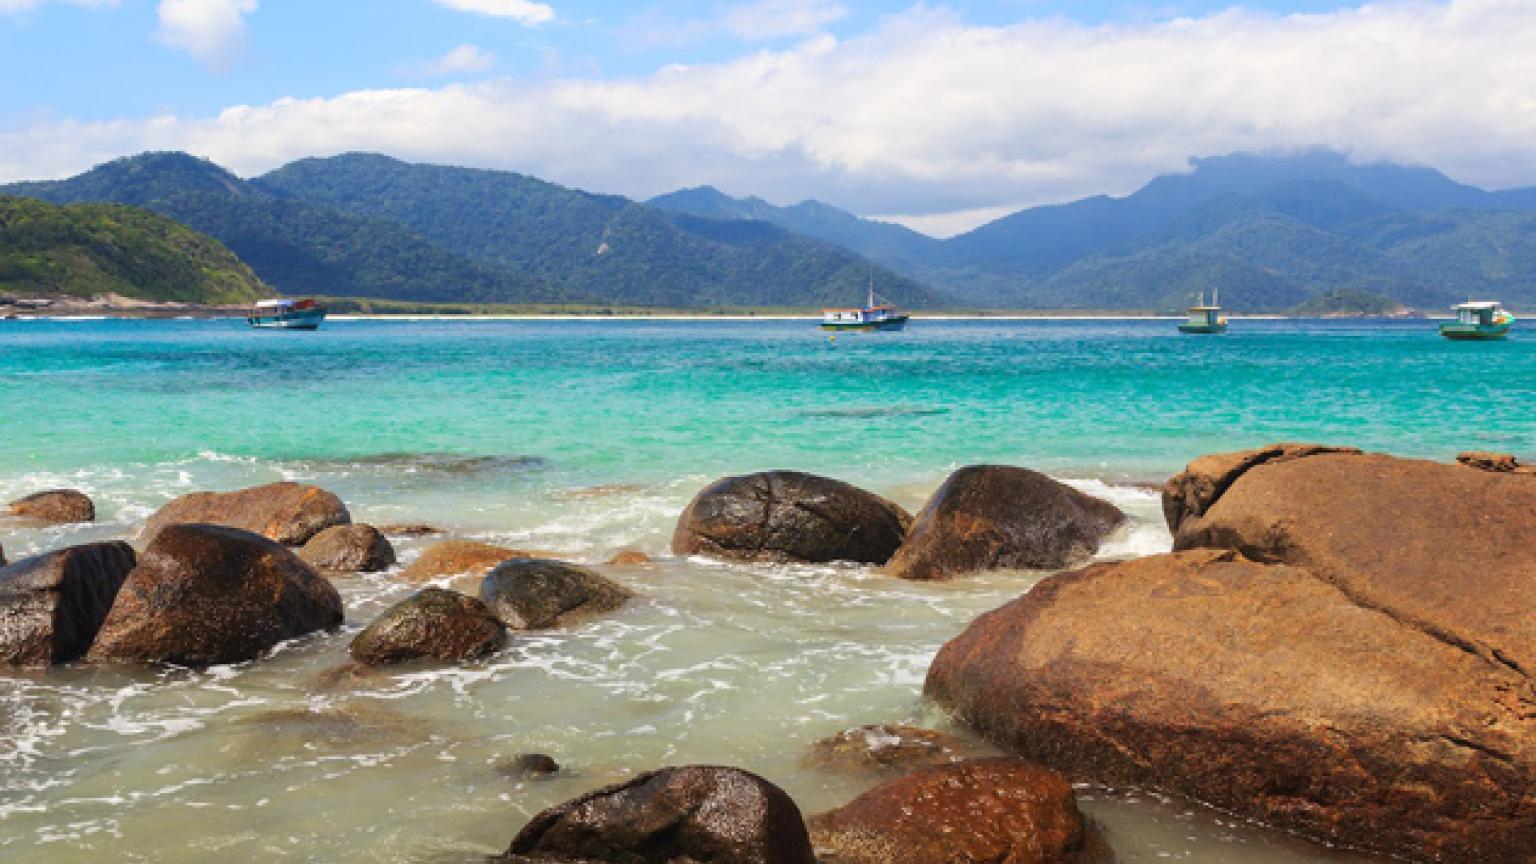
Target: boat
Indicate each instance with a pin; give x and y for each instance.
(1478, 321)
(882, 317)
(1205, 319)
(285, 314)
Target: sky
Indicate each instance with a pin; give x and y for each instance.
(937, 115)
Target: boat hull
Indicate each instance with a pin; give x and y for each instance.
(899, 322)
(308, 319)
(1457, 331)
(1207, 329)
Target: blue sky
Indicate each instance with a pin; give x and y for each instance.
(939, 114)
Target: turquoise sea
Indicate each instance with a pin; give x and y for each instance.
(583, 437)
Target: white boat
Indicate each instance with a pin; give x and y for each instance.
(285, 314)
(872, 317)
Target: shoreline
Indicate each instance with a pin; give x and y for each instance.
(223, 314)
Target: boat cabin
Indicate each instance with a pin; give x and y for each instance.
(869, 315)
(1479, 313)
(282, 305)
(1205, 316)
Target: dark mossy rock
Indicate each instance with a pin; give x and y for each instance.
(349, 549)
(52, 605)
(207, 594)
(539, 593)
(435, 624)
(289, 513)
(55, 505)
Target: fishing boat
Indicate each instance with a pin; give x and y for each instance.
(873, 317)
(285, 314)
(1205, 319)
(1478, 321)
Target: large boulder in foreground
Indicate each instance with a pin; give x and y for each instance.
(435, 624)
(1190, 492)
(979, 812)
(787, 516)
(1264, 690)
(539, 593)
(685, 815)
(206, 594)
(52, 605)
(289, 513)
(457, 558)
(996, 517)
(349, 549)
(55, 505)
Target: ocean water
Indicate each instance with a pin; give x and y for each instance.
(582, 438)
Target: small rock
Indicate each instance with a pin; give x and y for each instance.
(410, 529)
(435, 624)
(681, 815)
(457, 558)
(349, 549)
(888, 747)
(629, 558)
(528, 765)
(538, 593)
(1499, 463)
(289, 513)
(52, 605)
(55, 505)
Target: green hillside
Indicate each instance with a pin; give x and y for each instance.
(86, 250)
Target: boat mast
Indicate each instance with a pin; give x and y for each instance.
(871, 303)
(1216, 296)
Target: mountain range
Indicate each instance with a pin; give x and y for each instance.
(1272, 232)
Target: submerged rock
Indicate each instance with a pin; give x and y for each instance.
(435, 624)
(410, 529)
(55, 505)
(790, 516)
(52, 605)
(528, 766)
(886, 748)
(205, 594)
(349, 549)
(686, 815)
(537, 593)
(289, 513)
(457, 558)
(1262, 689)
(978, 812)
(996, 517)
(629, 558)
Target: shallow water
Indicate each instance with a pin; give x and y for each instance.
(584, 438)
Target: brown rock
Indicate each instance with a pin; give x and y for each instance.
(887, 747)
(289, 513)
(790, 516)
(457, 558)
(686, 815)
(435, 624)
(52, 605)
(1261, 689)
(1501, 463)
(994, 517)
(206, 594)
(538, 593)
(410, 529)
(979, 812)
(629, 558)
(349, 549)
(55, 505)
(1205, 479)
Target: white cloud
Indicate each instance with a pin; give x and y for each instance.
(523, 11)
(17, 7)
(213, 31)
(762, 21)
(465, 58)
(929, 116)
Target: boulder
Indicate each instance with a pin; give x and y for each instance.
(978, 812)
(55, 505)
(290, 513)
(208, 594)
(629, 558)
(538, 593)
(1264, 690)
(1204, 480)
(683, 815)
(1448, 550)
(457, 558)
(52, 605)
(786, 516)
(995, 517)
(885, 748)
(435, 624)
(349, 549)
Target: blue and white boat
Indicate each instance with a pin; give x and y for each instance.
(871, 318)
(285, 314)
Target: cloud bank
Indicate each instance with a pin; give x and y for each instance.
(928, 115)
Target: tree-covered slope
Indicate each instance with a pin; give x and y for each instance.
(86, 250)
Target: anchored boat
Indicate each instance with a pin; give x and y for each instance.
(286, 314)
(1205, 319)
(1478, 321)
(872, 317)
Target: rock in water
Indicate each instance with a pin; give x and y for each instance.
(349, 549)
(979, 812)
(457, 558)
(995, 517)
(887, 748)
(528, 766)
(537, 593)
(290, 513)
(435, 624)
(51, 606)
(55, 505)
(1262, 689)
(206, 594)
(681, 815)
(789, 516)
(629, 558)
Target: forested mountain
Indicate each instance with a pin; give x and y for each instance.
(86, 250)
